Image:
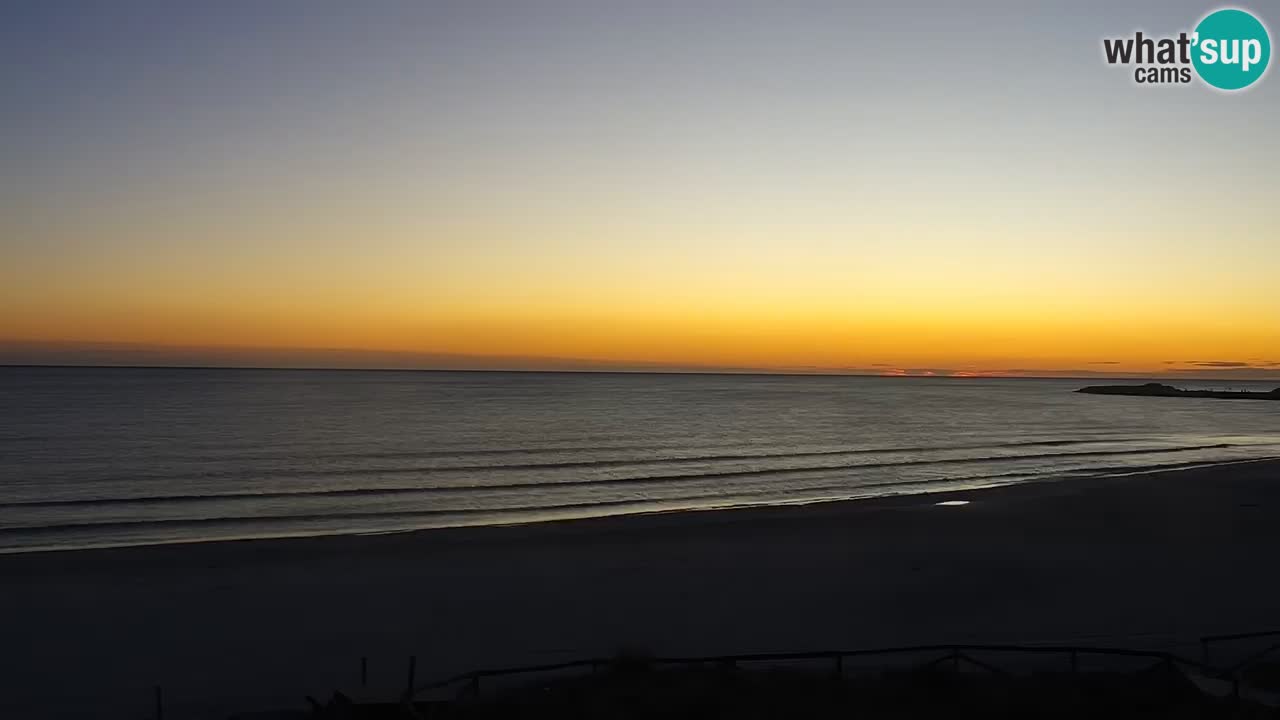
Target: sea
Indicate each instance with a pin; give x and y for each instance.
(103, 457)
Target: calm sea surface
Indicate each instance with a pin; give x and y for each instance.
(100, 457)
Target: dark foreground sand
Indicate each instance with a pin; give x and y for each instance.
(1141, 561)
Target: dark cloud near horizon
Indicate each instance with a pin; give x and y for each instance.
(140, 354)
(1257, 369)
(1248, 373)
(13, 352)
(1225, 364)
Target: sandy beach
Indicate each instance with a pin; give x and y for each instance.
(1143, 561)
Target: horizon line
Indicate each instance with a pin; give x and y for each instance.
(746, 372)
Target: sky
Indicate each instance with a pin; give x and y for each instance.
(907, 187)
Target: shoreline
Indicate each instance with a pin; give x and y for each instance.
(1154, 559)
(889, 499)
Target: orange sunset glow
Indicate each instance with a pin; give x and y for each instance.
(633, 214)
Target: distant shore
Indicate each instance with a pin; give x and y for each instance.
(1161, 390)
(1144, 560)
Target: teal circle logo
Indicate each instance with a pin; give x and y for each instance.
(1230, 49)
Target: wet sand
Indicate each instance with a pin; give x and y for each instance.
(1142, 561)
